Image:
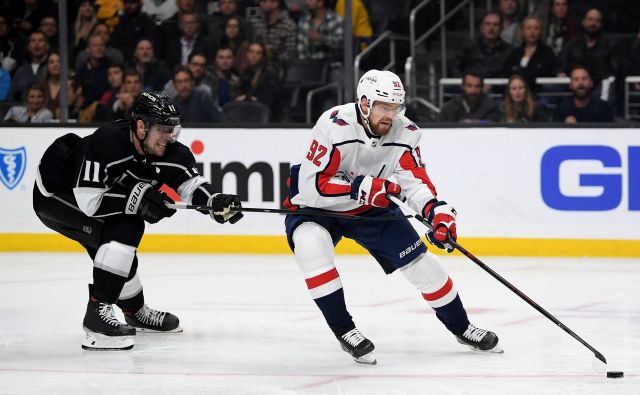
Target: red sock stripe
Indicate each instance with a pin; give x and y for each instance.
(322, 279)
(439, 293)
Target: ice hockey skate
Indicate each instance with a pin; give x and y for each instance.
(360, 348)
(479, 340)
(148, 320)
(103, 330)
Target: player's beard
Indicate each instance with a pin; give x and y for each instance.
(380, 129)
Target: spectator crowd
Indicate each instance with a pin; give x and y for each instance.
(211, 54)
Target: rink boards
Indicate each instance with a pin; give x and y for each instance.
(520, 192)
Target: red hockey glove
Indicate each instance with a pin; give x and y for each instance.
(443, 218)
(373, 191)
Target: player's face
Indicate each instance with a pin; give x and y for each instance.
(381, 117)
(158, 137)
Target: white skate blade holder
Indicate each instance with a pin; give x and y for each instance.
(98, 342)
(496, 349)
(368, 359)
(140, 330)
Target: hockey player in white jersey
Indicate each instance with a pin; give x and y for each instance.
(358, 153)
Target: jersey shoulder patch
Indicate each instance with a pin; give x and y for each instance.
(337, 119)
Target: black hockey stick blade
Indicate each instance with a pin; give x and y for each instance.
(405, 208)
(285, 211)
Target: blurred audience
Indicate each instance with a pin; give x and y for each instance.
(560, 25)
(534, 58)
(487, 53)
(510, 15)
(361, 26)
(320, 33)
(159, 10)
(225, 81)
(82, 26)
(234, 38)
(259, 82)
(80, 109)
(519, 103)
(115, 76)
(188, 41)
(113, 54)
(473, 106)
(195, 105)
(134, 25)
(94, 70)
(51, 81)
(11, 47)
(49, 26)
(277, 31)
(217, 23)
(583, 106)
(154, 72)
(34, 69)
(122, 102)
(33, 110)
(592, 50)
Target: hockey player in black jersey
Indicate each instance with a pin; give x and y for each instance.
(99, 190)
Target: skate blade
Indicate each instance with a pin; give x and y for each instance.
(368, 359)
(147, 330)
(496, 349)
(99, 342)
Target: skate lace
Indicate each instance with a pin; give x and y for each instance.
(150, 316)
(474, 334)
(106, 313)
(353, 337)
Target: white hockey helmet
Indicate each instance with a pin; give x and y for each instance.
(380, 85)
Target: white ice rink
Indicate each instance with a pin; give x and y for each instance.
(250, 327)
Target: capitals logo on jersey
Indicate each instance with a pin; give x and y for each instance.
(336, 120)
(13, 162)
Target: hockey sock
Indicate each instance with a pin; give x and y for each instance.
(453, 316)
(111, 269)
(335, 312)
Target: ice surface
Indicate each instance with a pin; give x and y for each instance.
(250, 327)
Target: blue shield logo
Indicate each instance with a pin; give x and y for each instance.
(13, 162)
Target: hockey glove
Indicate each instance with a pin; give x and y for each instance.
(443, 218)
(149, 203)
(222, 205)
(373, 191)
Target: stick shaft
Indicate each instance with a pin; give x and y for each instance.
(498, 277)
(285, 211)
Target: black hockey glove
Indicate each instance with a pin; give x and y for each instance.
(149, 203)
(222, 205)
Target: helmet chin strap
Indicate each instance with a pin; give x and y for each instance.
(141, 141)
(365, 118)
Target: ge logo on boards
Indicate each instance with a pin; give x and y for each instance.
(609, 181)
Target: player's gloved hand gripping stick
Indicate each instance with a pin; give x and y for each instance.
(434, 225)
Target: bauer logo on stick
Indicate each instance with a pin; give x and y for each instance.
(12, 165)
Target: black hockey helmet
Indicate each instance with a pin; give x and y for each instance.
(156, 108)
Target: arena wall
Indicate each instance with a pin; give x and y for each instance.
(519, 192)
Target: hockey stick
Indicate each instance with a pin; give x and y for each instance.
(285, 211)
(405, 208)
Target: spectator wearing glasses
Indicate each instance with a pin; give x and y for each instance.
(202, 78)
(583, 106)
(519, 103)
(277, 31)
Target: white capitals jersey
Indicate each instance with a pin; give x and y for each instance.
(342, 149)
